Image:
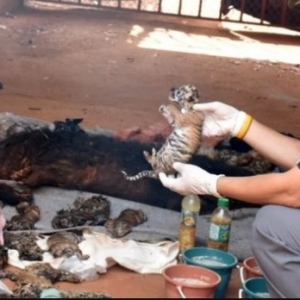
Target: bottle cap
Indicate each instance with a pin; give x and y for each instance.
(223, 202)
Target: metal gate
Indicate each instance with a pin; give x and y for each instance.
(262, 12)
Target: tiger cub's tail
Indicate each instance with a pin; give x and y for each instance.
(140, 175)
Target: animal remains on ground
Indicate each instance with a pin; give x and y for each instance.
(25, 243)
(124, 223)
(67, 156)
(3, 257)
(64, 243)
(12, 193)
(28, 215)
(85, 212)
(31, 281)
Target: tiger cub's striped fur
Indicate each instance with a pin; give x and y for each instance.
(180, 146)
(185, 96)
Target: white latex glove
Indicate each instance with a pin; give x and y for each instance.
(192, 180)
(221, 120)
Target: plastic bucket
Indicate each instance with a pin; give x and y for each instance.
(255, 288)
(221, 262)
(250, 269)
(184, 281)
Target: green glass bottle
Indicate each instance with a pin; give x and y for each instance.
(220, 226)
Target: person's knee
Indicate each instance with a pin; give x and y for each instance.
(276, 249)
(265, 220)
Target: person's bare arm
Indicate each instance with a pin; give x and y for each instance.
(222, 120)
(282, 150)
(273, 188)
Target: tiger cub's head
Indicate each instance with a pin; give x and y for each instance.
(185, 95)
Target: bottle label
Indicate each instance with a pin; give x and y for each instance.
(219, 233)
(188, 218)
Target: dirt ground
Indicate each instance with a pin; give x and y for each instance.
(114, 69)
(107, 67)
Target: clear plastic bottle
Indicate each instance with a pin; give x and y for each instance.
(190, 208)
(220, 225)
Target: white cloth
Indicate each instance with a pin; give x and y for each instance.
(105, 252)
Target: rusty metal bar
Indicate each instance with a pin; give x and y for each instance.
(179, 7)
(200, 9)
(119, 3)
(221, 9)
(99, 3)
(139, 5)
(159, 5)
(242, 10)
(224, 8)
(263, 11)
(283, 12)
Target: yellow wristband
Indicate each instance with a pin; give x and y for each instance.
(245, 127)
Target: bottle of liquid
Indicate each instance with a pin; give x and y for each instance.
(190, 208)
(220, 225)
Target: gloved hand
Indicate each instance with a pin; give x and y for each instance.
(222, 120)
(191, 180)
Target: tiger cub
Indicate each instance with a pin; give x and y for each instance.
(185, 96)
(180, 146)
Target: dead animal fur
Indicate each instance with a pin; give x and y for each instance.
(28, 215)
(65, 243)
(124, 223)
(85, 212)
(31, 281)
(25, 244)
(12, 193)
(69, 157)
(3, 257)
